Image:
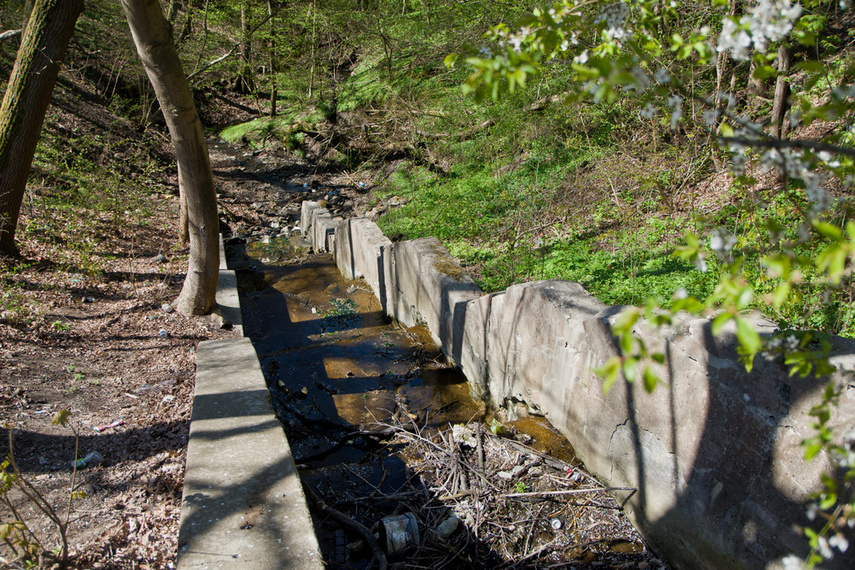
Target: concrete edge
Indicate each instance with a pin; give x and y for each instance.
(242, 504)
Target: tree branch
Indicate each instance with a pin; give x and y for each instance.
(9, 34)
(783, 143)
(232, 51)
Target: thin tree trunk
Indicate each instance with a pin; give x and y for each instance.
(195, 180)
(245, 82)
(782, 91)
(46, 35)
(272, 58)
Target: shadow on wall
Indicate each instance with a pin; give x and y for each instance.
(714, 452)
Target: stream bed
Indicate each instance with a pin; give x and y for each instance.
(383, 430)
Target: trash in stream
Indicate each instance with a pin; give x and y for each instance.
(93, 458)
(398, 533)
(541, 518)
(116, 423)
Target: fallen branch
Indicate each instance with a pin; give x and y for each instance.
(569, 492)
(366, 534)
(9, 34)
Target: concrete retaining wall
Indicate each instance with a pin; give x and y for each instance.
(714, 452)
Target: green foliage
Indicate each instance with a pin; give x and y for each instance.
(342, 315)
(793, 255)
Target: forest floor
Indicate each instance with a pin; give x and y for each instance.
(91, 330)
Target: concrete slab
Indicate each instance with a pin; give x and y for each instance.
(243, 504)
(358, 245)
(227, 299)
(424, 283)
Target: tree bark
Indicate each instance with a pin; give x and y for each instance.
(272, 58)
(48, 29)
(195, 181)
(245, 79)
(782, 92)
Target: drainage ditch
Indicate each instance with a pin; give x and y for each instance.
(387, 438)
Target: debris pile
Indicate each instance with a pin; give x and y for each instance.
(482, 500)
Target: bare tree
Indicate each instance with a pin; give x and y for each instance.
(196, 182)
(47, 30)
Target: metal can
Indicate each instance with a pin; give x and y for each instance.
(399, 532)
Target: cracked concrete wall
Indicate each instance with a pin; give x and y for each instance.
(713, 453)
(424, 284)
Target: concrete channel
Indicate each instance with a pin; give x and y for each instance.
(710, 465)
(319, 351)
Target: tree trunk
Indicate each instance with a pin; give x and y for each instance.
(245, 80)
(272, 58)
(195, 180)
(45, 39)
(782, 92)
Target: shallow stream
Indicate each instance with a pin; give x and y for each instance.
(343, 377)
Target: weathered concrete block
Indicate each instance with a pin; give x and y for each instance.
(713, 453)
(423, 283)
(323, 230)
(306, 210)
(358, 244)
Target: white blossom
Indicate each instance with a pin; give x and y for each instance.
(614, 17)
(648, 111)
(642, 80)
(816, 194)
(839, 542)
(710, 116)
(769, 21)
(812, 511)
(733, 39)
(722, 243)
(828, 159)
(582, 57)
(792, 562)
(661, 76)
(676, 103)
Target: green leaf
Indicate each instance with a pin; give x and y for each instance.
(828, 230)
(812, 447)
(780, 295)
(811, 66)
(630, 367)
(650, 379)
(764, 72)
(828, 501)
(626, 320)
(719, 322)
(608, 372)
(725, 129)
(61, 417)
(749, 342)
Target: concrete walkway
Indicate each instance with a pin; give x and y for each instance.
(243, 504)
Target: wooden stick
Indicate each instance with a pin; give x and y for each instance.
(366, 534)
(568, 492)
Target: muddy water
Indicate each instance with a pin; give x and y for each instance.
(332, 357)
